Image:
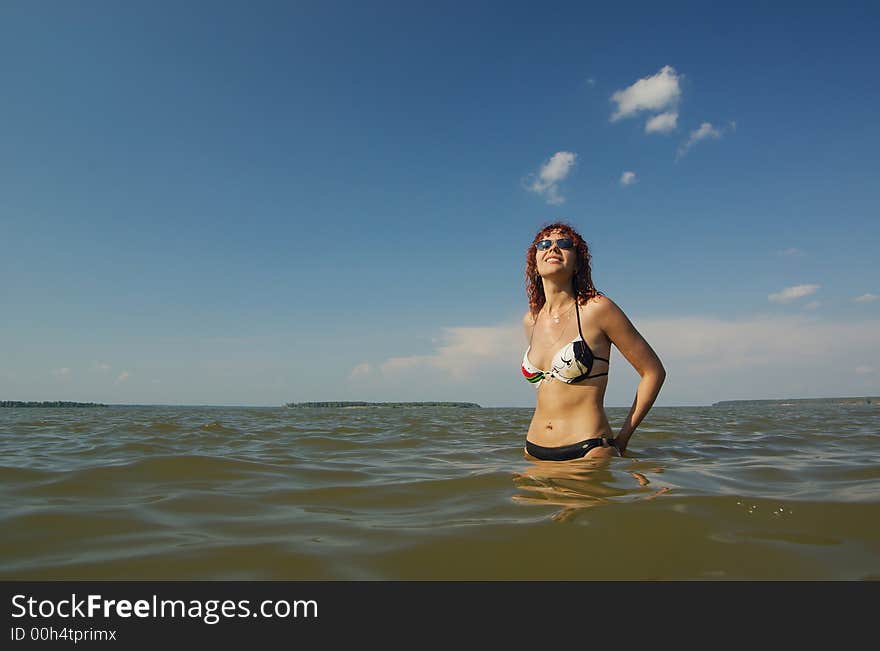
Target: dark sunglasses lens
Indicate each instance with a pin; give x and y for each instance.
(562, 243)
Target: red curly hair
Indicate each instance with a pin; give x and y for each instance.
(582, 281)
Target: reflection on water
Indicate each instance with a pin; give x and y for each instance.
(581, 484)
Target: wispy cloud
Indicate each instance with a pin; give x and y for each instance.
(61, 372)
(706, 344)
(591, 81)
(704, 131)
(551, 174)
(812, 305)
(791, 294)
(707, 359)
(662, 123)
(762, 356)
(864, 370)
(627, 178)
(101, 366)
(791, 252)
(866, 298)
(654, 93)
(361, 370)
(461, 351)
(122, 377)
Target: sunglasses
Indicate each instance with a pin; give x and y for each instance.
(562, 243)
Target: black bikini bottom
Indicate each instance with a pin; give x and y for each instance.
(566, 452)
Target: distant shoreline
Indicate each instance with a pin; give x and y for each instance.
(290, 405)
(63, 404)
(48, 403)
(855, 400)
(358, 404)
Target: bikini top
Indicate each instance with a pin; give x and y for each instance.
(571, 364)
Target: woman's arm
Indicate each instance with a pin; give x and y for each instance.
(637, 352)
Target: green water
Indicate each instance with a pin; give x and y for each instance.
(725, 492)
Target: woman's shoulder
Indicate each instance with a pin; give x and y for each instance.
(599, 301)
(600, 306)
(528, 319)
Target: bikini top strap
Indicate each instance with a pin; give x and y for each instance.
(578, 314)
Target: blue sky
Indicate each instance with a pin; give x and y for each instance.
(253, 203)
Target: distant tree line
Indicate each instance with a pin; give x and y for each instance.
(48, 403)
(297, 405)
(818, 401)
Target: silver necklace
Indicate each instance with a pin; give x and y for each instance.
(561, 332)
(556, 317)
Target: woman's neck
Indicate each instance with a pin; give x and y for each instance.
(556, 298)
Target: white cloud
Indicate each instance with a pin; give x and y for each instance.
(812, 305)
(790, 294)
(707, 360)
(662, 123)
(866, 298)
(123, 376)
(791, 252)
(462, 351)
(655, 93)
(61, 372)
(553, 172)
(360, 370)
(705, 130)
(700, 344)
(627, 178)
(864, 370)
(591, 81)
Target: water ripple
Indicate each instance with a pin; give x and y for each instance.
(256, 493)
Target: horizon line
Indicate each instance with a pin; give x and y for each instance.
(283, 405)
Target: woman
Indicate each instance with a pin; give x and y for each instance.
(570, 327)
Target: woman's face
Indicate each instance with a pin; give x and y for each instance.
(555, 261)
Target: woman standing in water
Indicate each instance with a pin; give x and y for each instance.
(570, 327)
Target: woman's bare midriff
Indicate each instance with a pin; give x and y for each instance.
(567, 414)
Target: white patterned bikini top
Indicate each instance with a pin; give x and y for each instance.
(572, 363)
